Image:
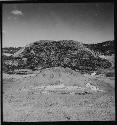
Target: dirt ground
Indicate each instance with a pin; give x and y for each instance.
(23, 101)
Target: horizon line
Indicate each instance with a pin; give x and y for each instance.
(58, 40)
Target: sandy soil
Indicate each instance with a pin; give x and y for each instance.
(24, 99)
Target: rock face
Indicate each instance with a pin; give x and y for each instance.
(46, 54)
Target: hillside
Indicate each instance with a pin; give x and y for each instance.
(63, 90)
(106, 48)
(10, 50)
(65, 53)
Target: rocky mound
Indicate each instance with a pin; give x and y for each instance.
(57, 79)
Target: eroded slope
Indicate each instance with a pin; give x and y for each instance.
(27, 103)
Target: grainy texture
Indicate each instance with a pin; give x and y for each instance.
(28, 103)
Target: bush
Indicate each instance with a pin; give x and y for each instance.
(110, 74)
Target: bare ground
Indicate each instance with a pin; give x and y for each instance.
(23, 103)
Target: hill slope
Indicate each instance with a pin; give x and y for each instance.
(65, 53)
(105, 48)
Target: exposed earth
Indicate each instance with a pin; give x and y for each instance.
(58, 94)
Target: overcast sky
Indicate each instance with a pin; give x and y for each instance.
(84, 22)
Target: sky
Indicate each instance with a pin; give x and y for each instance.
(84, 22)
